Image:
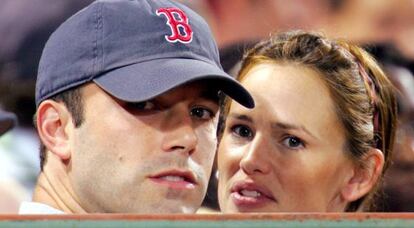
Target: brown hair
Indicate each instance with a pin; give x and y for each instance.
(361, 91)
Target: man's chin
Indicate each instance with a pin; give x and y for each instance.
(165, 210)
(177, 208)
(166, 206)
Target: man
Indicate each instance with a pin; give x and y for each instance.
(127, 110)
(7, 121)
(8, 197)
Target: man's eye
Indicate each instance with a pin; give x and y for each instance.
(145, 105)
(293, 142)
(242, 131)
(202, 113)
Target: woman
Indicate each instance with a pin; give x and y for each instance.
(321, 135)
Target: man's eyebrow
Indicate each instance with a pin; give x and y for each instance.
(242, 117)
(212, 95)
(289, 126)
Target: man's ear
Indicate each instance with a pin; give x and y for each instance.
(364, 176)
(52, 120)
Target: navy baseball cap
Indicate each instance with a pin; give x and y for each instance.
(135, 50)
(7, 121)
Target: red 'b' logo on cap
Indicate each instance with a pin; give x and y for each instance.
(177, 19)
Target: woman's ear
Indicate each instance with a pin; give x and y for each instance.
(364, 177)
(52, 119)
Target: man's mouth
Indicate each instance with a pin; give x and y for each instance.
(178, 179)
(173, 178)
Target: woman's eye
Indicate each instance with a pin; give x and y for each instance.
(202, 113)
(293, 142)
(242, 131)
(145, 105)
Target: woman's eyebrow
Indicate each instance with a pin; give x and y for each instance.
(289, 126)
(242, 117)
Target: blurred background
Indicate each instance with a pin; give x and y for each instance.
(384, 27)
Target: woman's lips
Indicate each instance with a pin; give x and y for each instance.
(177, 179)
(250, 194)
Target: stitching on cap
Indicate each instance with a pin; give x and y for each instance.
(95, 41)
(101, 66)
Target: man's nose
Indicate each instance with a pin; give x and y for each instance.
(180, 132)
(255, 158)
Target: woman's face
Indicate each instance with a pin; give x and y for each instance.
(287, 154)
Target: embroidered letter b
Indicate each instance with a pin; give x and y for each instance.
(177, 19)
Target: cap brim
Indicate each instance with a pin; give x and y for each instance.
(146, 80)
(7, 121)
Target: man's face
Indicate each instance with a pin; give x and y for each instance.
(149, 157)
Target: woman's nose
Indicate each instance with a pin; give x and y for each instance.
(256, 159)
